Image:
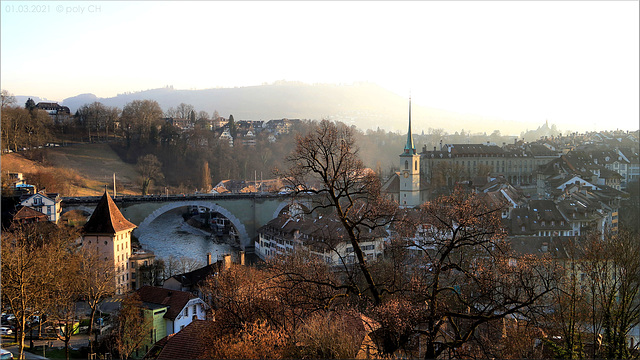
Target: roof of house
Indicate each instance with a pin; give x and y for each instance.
(107, 218)
(176, 300)
(324, 231)
(27, 213)
(53, 197)
(536, 245)
(196, 276)
(392, 185)
(188, 343)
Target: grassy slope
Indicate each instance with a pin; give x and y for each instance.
(94, 163)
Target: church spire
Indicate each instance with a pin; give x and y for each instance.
(409, 148)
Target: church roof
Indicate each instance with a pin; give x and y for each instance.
(107, 218)
(409, 148)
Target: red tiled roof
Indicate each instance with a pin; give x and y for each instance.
(174, 299)
(188, 343)
(26, 213)
(107, 218)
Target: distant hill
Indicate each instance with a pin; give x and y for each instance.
(364, 105)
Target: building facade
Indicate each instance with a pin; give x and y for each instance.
(48, 204)
(109, 233)
(322, 238)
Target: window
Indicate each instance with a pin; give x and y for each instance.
(416, 165)
(406, 164)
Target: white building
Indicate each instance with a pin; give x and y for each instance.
(323, 238)
(182, 307)
(48, 204)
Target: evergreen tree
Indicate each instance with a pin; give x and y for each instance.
(30, 104)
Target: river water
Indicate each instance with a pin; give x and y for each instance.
(169, 235)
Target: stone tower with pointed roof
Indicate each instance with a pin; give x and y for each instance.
(409, 172)
(109, 233)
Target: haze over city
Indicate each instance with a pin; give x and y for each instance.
(574, 64)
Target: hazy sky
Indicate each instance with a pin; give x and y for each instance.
(574, 63)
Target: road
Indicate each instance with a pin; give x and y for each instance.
(76, 342)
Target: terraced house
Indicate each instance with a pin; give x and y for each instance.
(323, 237)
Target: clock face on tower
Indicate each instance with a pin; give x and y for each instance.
(406, 174)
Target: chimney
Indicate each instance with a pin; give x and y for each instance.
(440, 145)
(227, 261)
(209, 258)
(545, 247)
(241, 258)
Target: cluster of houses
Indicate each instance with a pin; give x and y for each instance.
(33, 205)
(549, 191)
(244, 132)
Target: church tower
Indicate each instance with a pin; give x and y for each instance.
(409, 172)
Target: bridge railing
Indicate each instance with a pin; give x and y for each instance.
(179, 197)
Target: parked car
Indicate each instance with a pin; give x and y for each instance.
(5, 354)
(5, 331)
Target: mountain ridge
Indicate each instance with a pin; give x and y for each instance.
(363, 104)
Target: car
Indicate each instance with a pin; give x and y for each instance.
(5, 331)
(5, 354)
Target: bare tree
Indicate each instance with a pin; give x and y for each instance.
(612, 268)
(183, 110)
(140, 120)
(442, 286)
(206, 176)
(459, 275)
(150, 169)
(31, 255)
(131, 327)
(63, 295)
(7, 99)
(325, 163)
(95, 280)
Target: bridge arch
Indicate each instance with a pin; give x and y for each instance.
(245, 240)
(83, 208)
(304, 207)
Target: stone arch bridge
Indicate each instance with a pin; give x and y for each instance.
(247, 212)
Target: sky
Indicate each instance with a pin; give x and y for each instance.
(573, 63)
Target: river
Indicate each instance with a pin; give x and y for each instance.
(169, 235)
